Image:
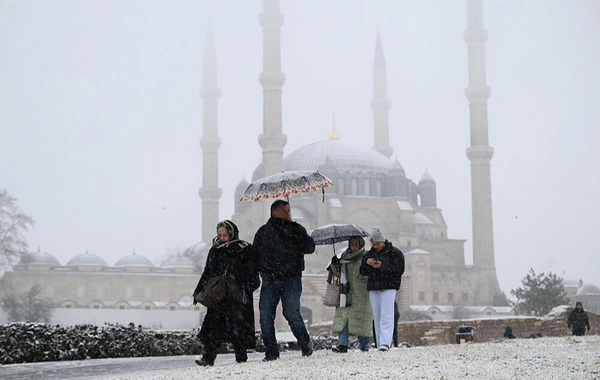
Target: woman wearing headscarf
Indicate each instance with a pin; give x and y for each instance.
(232, 320)
(353, 316)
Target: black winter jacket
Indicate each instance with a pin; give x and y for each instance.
(281, 245)
(578, 320)
(389, 276)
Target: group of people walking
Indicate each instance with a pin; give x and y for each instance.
(370, 280)
(368, 283)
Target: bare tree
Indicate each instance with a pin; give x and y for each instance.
(13, 223)
(27, 307)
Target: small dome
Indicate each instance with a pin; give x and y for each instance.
(418, 251)
(426, 178)
(419, 218)
(195, 250)
(133, 261)
(396, 168)
(87, 259)
(39, 258)
(588, 289)
(174, 262)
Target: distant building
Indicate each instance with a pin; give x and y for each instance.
(587, 294)
(87, 291)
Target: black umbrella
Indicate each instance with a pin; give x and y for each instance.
(335, 233)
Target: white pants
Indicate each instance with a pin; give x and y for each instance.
(382, 304)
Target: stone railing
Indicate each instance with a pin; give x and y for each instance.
(423, 333)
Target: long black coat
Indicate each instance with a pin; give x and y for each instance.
(389, 276)
(233, 319)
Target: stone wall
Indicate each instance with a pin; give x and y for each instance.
(422, 333)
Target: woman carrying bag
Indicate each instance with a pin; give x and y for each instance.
(353, 316)
(231, 320)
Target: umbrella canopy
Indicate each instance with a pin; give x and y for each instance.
(284, 184)
(335, 233)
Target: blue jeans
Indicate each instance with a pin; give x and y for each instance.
(363, 341)
(289, 292)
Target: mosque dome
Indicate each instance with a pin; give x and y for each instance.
(419, 218)
(346, 157)
(87, 259)
(588, 289)
(133, 260)
(175, 262)
(38, 258)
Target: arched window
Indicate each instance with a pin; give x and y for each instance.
(367, 187)
(354, 186)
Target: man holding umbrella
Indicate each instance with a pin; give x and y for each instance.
(281, 245)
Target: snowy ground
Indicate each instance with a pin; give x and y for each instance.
(542, 358)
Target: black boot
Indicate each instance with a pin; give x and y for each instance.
(241, 356)
(204, 362)
(341, 349)
(208, 359)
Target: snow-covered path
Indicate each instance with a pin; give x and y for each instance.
(543, 358)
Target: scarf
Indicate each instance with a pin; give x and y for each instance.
(347, 257)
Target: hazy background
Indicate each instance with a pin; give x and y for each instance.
(100, 115)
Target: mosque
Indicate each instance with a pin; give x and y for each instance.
(370, 189)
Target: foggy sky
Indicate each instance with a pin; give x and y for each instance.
(101, 115)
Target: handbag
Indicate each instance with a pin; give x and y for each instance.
(332, 291)
(214, 291)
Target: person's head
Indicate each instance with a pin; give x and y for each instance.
(377, 239)
(355, 243)
(281, 209)
(579, 305)
(226, 231)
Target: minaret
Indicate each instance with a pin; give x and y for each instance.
(210, 141)
(272, 140)
(480, 154)
(380, 103)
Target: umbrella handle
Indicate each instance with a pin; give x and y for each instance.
(323, 190)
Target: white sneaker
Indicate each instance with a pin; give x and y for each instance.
(384, 347)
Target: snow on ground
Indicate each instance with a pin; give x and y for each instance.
(542, 358)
